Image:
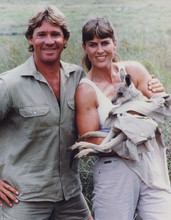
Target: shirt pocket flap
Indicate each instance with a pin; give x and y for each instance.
(34, 111)
(71, 104)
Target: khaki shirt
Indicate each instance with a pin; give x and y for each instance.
(35, 133)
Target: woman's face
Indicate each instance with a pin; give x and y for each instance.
(100, 51)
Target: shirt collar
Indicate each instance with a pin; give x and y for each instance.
(30, 70)
(67, 68)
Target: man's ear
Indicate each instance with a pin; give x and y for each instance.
(30, 40)
(65, 41)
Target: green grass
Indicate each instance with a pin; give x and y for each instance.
(142, 27)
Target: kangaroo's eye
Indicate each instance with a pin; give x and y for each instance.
(120, 94)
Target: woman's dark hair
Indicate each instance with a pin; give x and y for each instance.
(100, 27)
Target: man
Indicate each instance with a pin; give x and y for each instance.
(37, 125)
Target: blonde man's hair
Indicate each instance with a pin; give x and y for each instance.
(50, 14)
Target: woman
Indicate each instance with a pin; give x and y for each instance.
(118, 190)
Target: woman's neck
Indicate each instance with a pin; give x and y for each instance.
(103, 74)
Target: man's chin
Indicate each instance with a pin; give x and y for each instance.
(50, 61)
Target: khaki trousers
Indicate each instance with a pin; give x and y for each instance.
(119, 193)
(74, 209)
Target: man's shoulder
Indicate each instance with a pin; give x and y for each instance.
(11, 74)
(16, 71)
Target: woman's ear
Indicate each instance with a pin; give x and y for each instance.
(115, 43)
(84, 47)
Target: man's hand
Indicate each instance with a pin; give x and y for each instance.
(155, 86)
(6, 194)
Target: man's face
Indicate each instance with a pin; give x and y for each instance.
(48, 42)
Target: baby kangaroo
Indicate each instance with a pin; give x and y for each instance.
(127, 102)
(126, 90)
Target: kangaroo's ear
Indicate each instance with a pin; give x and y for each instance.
(128, 80)
(122, 75)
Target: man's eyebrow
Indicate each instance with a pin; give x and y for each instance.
(38, 32)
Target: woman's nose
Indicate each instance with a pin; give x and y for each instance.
(99, 48)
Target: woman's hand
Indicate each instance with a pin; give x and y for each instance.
(155, 86)
(6, 194)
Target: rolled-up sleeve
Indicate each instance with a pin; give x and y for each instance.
(5, 100)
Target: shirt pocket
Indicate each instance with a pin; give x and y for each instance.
(34, 111)
(71, 104)
(36, 120)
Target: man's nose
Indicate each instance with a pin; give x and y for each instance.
(49, 39)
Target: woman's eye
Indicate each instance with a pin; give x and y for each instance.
(105, 43)
(92, 45)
